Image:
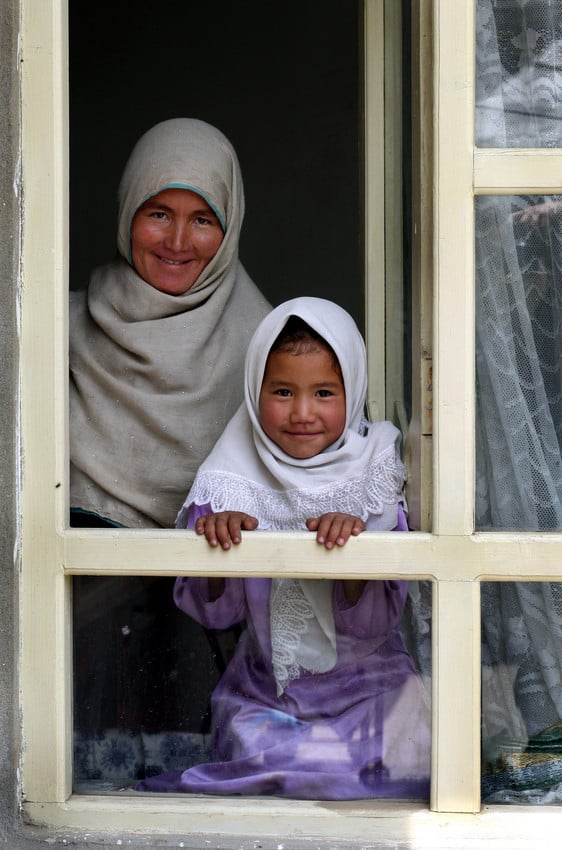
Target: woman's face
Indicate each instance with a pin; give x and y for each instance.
(174, 236)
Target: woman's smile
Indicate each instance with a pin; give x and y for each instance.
(174, 262)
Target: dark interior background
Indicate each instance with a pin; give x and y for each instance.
(281, 79)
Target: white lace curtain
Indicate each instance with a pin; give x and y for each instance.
(518, 359)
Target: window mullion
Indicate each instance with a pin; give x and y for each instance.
(455, 767)
(454, 270)
(455, 665)
(525, 171)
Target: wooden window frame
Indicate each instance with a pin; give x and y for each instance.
(452, 556)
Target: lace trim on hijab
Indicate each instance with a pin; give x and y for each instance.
(291, 618)
(368, 493)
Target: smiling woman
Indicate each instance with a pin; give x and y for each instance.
(174, 236)
(141, 421)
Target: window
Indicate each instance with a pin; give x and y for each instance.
(452, 555)
(56, 553)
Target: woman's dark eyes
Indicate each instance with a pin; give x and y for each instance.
(159, 215)
(283, 392)
(324, 393)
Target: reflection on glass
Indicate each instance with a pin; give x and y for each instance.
(519, 362)
(191, 700)
(519, 73)
(143, 673)
(519, 487)
(522, 692)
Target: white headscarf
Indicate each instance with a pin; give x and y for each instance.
(361, 474)
(155, 377)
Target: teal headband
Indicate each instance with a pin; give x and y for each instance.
(176, 186)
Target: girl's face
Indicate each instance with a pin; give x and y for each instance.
(302, 402)
(174, 236)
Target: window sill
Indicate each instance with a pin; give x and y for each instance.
(193, 822)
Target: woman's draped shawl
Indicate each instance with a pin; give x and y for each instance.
(155, 377)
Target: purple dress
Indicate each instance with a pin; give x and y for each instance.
(359, 730)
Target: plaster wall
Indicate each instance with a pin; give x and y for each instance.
(9, 279)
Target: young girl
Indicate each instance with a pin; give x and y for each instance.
(321, 699)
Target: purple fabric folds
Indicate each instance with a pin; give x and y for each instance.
(359, 730)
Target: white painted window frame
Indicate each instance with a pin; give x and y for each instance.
(384, 274)
(452, 555)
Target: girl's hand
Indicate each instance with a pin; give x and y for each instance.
(335, 529)
(225, 528)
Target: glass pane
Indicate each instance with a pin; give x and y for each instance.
(519, 73)
(519, 487)
(522, 692)
(150, 680)
(519, 362)
(225, 694)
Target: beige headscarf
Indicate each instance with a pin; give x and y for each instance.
(155, 377)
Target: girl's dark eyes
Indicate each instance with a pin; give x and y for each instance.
(319, 393)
